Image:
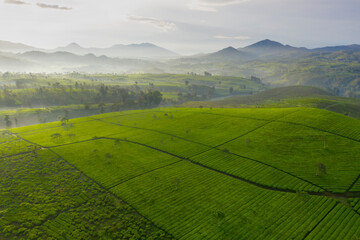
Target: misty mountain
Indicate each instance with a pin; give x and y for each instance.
(37, 61)
(10, 47)
(269, 48)
(10, 63)
(353, 47)
(143, 50)
(227, 54)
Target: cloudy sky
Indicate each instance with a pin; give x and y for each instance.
(186, 26)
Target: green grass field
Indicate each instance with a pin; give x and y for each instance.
(190, 173)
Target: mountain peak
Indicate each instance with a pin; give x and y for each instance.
(73, 45)
(229, 53)
(142, 45)
(228, 50)
(267, 43)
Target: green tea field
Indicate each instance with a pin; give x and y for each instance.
(183, 173)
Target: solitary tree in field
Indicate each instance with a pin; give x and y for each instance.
(56, 137)
(102, 107)
(7, 121)
(225, 150)
(321, 169)
(231, 90)
(219, 216)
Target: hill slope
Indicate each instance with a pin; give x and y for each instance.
(228, 54)
(292, 96)
(216, 173)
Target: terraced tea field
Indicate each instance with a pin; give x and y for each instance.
(291, 173)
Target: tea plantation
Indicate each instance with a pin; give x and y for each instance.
(183, 173)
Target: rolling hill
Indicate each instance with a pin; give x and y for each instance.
(274, 173)
(292, 96)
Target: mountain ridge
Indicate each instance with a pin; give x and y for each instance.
(142, 50)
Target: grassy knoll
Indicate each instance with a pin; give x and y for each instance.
(266, 173)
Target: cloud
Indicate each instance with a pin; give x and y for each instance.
(212, 5)
(43, 5)
(17, 2)
(235, 37)
(164, 25)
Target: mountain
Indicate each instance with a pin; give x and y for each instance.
(6, 46)
(228, 53)
(143, 50)
(10, 63)
(271, 48)
(38, 61)
(353, 47)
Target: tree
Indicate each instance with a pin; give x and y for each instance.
(56, 137)
(7, 121)
(321, 169)
(102, 107)
(231, 90)
(255, 79)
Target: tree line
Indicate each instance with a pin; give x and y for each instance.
(57, 94)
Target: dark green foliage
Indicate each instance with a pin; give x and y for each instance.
(43, 197)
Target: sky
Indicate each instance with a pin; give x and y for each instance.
(186, 26)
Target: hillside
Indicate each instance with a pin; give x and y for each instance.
(335, 68)
(270, 173)
(228, 54)
(292, 96)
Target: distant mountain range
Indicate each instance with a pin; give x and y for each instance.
(147, 57)
(266, 49)
(143, 50)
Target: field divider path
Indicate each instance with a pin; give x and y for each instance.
(242, 135)
(152, 170)
(325, 193)
(101, 186)
(322, 219)
(293, 123)
(216, 147)
(209, 168)
(352, 185)
(184, 159)
(16, 154)
(153, 130)
(7, 142)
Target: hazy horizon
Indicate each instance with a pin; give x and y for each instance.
(186, 27)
